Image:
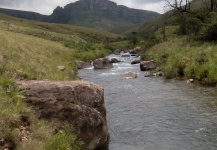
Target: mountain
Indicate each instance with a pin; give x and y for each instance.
(101, 14)
(23, 14)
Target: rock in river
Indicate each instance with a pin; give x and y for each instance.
(117, 52)
(102, 63)
(135, 62)
(147, 65)
(79, 103)
(130, 75)
(114, 60)
(81, 64)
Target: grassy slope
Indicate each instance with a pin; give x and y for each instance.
(179, 56)
(63, 32)
(34, 50)
(35, 57)
(42, 44)
(160, 21)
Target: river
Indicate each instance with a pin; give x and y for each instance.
(153, 113)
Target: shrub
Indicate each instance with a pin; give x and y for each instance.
(174, 67)
(209, 30)
(80, 46)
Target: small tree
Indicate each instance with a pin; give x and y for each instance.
(213, 5)
(185, 5)
(133, 40)
(180, 5)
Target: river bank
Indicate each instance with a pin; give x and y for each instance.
(180, 58)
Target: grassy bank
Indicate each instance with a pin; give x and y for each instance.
(35, 58)
(181, 57)
(34, 50)
(29, 57)
(20, 128)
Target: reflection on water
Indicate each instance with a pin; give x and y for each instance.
(154, 113)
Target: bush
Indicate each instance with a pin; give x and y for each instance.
(132, 38)
(209, 32)
(80, 46)
(188, 25)
(174, 67)
(149, 40)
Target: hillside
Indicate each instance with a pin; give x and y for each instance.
(160, 21)
(27, 57)
(186, 47)
(23, 14)
(65, 39)
(100, 14)
(31, 50)
(49, 30)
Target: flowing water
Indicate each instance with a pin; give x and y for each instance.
(156, 114)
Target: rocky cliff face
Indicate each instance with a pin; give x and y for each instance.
(78, 103)
(100, 14)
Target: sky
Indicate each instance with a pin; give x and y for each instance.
(47, 6)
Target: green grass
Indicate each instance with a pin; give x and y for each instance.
(34, 50)
(15, 114)
(35, 58)
(42, 47)
(179, 57)
(29, 57)
(56, 32)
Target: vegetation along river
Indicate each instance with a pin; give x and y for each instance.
(154, 113)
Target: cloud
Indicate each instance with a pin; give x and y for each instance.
(47, 6)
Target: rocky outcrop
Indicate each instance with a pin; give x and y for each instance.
(101, 10)
(147, 65)
(102, 63)
(130, 75)
(79, 103)
(81, 64)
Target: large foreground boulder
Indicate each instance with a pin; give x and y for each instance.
(102, 63)
(79, 103)
(147, 65)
